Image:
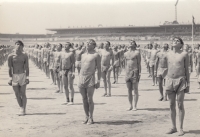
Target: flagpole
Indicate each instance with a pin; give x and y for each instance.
(193, 35)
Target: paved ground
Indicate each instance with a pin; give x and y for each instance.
(46, 116)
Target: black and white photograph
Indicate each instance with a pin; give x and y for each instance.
(99, 68)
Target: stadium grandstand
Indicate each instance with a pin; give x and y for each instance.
(142, 34)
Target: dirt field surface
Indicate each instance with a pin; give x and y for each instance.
(47, 117)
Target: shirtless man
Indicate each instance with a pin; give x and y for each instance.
(35, 51)
(161, 69)
(186, 49)
(78, 51)
(98, 48)
(116, 64)
(57, 60)
(90, 61)
(148, 54)
(51, 63)
(45, 55)
(197, 62)
(133, 72)
(19, 75)
(67, 68)
(177, 82)
(39, 57)
(106, 67)
(152, 61)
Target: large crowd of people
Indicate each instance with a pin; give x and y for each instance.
(168, 65)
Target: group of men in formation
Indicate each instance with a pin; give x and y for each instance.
(168, 64)
(4, 52)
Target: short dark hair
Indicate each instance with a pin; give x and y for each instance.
(133, 41)
(60, 45)
(20, 43)
(108, 42)
(91, 41)
(181, 41)
(69, 44)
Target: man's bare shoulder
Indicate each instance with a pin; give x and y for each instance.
(96, 54)
(137, 52)
(184, 54)
(11, 55)
(25, 55)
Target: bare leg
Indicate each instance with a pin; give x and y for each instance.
(61, 84)
(117, 74)
(114, 75)
(130, 95)
(172, 103)
(23, 95)
(136, 96)
(52, 75)
(71, 87)
(58, 80)
(85, 103)
(65, 83)
(103, 75)
(90, 92)
(109, 83)
(180, 99)
(160, 82)
(152, 74)
(18, 95)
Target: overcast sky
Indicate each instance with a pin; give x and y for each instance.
(34, 17)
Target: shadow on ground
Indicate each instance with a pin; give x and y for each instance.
(194, 92)
(46, 114)
(119, 95)
(82, 104)
(36, 81)
(4, 85)
(155, 109)
(36, 89)
(190, 99)
(41, 98)
(119, 122)
(5, 93)
(148, 89)
(193, 131)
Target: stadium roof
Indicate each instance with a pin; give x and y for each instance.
(118, 27)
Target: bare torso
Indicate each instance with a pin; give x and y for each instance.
(18, 63)
(116, 55)
(88, 63)
(51, 56)
(57, 57)
(162, 63)
(106, 56)
(153, 54)
(131, 58)
(176, 64)
(78, 52)
(66, 59)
